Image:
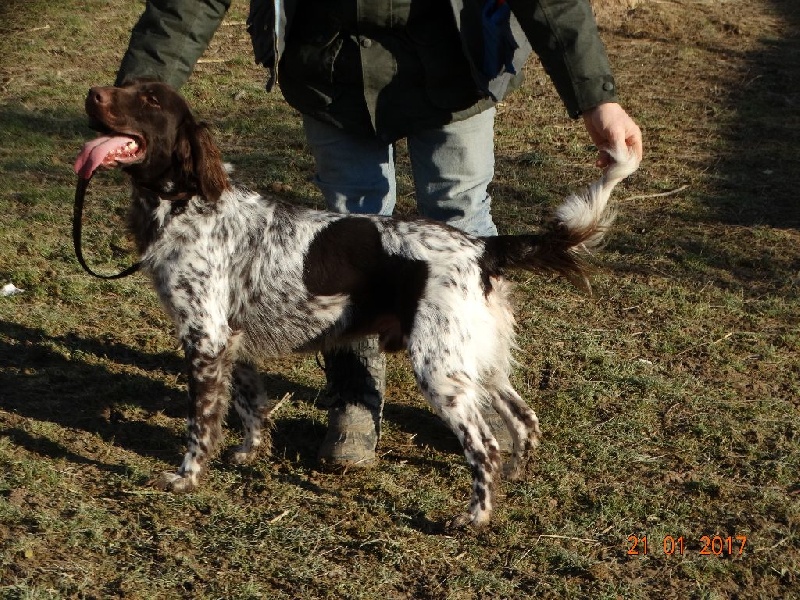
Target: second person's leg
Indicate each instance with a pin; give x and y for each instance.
(355, 175)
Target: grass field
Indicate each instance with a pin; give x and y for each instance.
(669, 400)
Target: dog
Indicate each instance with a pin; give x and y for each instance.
(248, 277)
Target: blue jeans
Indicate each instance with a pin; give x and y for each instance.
(452, 166)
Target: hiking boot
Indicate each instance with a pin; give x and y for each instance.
(356, 376)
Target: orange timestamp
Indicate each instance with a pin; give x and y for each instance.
(707, 545)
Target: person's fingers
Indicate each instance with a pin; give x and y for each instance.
(603, 159)
(609, 126)
(635, 141)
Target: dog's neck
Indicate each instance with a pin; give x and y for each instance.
(151, 211)
(166, 190)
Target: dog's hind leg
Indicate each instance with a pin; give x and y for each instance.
(519, 418)
(209, 368)
(461, 412)
(455, 398)
(253, 407)
(495, 368)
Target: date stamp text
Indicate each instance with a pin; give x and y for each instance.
(706, 545)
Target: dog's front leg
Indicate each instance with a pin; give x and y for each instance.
(209, 369)
(253, 407)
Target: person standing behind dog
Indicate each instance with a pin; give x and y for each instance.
(365, 73)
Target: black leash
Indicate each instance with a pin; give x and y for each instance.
(77, 225)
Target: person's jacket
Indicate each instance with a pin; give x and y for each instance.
(171, 36)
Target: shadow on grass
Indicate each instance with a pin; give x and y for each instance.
(41, 135)
(759, 175)
(44, 446)
(43, 383)
(755, 261)
(739, 241)
(17, 120)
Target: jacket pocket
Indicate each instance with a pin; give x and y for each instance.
(448, 79)
(312, 53)
(307, 70)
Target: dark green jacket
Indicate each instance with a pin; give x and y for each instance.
(172, 34)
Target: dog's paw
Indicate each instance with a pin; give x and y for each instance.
(534, 437)
(174, 482)
(514, 469)
(241, 455)
(468, 519)
(517, 466)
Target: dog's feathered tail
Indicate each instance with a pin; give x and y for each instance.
(578, 225)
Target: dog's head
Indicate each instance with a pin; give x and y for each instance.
(148, 130)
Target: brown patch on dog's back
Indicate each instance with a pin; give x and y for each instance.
(347, 257)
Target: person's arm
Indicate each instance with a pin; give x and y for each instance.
(169, 38)
(564, 35)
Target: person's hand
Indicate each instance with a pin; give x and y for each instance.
(610, 126)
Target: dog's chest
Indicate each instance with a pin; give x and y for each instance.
(245, 262)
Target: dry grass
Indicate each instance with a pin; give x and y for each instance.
(610, 11)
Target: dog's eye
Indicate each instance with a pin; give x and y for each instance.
(150, 99)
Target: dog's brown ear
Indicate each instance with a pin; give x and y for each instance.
(201, 160)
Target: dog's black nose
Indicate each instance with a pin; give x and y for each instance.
(98, 95)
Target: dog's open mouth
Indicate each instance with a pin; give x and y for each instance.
(109, 151)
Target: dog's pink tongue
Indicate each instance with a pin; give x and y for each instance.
(95, 153)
